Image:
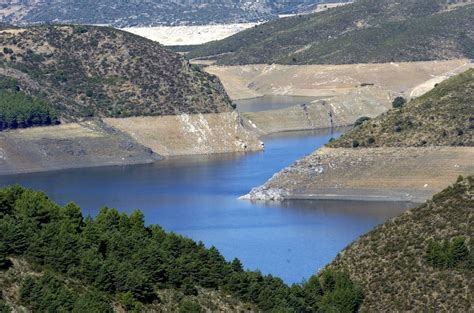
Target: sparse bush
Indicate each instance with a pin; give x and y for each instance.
(361, 120)
(188, 306)
(398, 102)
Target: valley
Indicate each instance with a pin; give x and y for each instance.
(285, 156)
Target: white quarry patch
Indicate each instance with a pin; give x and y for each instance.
(189, 35)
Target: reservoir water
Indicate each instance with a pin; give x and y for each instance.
(266, 103)
(198, 197)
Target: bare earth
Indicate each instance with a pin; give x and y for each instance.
(68, 146)
(190, 134)
(379, 174)
(251, 81)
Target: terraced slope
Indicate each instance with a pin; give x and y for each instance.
(364, 32)
(84, 71)
(400, 269)
(442, 117)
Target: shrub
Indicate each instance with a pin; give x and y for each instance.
(371, 140)
(355, 144)
(188, 306)
(447, 254)
(399, 102)
(361, 120)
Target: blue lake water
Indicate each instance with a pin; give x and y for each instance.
(198, 197)
(271, 103)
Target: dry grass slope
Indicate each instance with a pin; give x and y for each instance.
(389, 262)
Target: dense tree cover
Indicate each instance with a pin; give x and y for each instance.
(116, 257)
(19, 110)
(449, 253)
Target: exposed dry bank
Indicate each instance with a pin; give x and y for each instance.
(249, 81)
(68, 146)
(378, 174)
(341, 110)
(190, 134)
(408, 153)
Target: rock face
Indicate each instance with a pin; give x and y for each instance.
(190, 134)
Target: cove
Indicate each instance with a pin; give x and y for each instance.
(198, 197)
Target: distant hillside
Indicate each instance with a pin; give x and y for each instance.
(84, 71)
(421, 261)
(364, 32)
(147, 13)
(442, 117)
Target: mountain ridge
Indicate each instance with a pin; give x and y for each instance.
(366, 31)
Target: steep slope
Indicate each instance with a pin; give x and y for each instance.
(442, 117)
(401, 270)
(365, 31)
(145, 13)
(84, 71)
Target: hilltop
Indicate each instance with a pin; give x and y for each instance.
(422, 260)
(367, 31)
(85, 71)
(442, 117)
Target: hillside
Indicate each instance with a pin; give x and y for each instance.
(442, 117)
(364, 32)
(147, 13)
(422, 260)
(84, 71)
(53, 259)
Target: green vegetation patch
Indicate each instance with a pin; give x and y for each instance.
(449, 253)
(19, 110)
(118, 259)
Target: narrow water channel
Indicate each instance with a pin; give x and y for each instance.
(198, 197)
